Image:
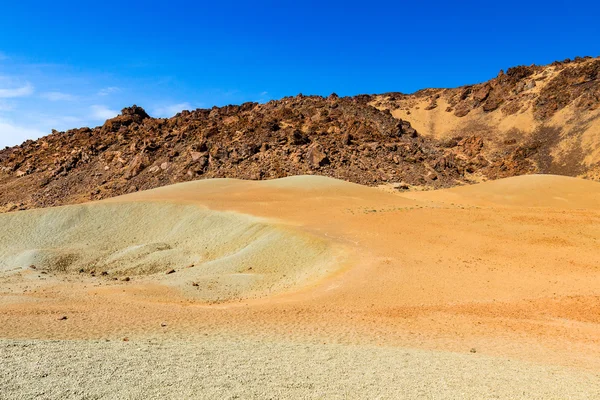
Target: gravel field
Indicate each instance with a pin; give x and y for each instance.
(246, 369)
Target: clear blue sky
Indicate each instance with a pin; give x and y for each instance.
(69, 64)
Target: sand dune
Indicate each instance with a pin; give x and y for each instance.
(506, 269)
(227, 255)
(523, 191)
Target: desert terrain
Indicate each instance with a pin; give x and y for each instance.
(306, 287)
(439, 244)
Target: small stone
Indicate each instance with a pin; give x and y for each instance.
(400, 186)
(63, 318)
(126, 279)
(195, 284)
(171, 271)
(32, 267)
(346, 139)
(126, 339)
(163, 324)
(104, 273)
(473, 350)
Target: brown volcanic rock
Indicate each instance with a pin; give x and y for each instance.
(364, 139)
(345, 138)
(543, 119)
(567, 81)
(581, 83)
(316, 156)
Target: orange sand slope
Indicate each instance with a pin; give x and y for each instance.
(507, 267)
(523, 191)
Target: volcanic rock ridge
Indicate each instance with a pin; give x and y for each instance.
(529, 119)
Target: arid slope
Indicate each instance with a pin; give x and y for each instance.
(543, 119)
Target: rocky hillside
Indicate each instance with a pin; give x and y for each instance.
(552, 113)
(529, 119)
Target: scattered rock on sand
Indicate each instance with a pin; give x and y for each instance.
(171, 271)
(63, 318)
(401, 186)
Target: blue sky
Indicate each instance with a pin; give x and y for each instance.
(71, 64)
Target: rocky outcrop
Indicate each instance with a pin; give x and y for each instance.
(345, 138)
(565, 82)
(352, 138)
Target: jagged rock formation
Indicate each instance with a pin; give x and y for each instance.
(529, 119)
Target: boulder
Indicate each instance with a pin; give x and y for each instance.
(316, 156)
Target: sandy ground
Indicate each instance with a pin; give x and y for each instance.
(508, 269)
(228, 256)
(242, 369)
